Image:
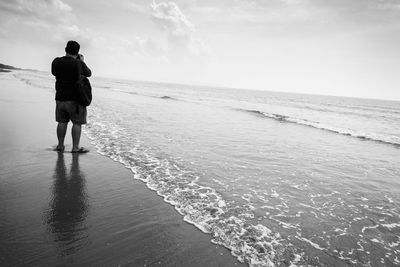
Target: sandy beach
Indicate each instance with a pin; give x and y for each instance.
(60, 209)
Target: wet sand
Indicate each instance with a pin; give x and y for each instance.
(62, 209)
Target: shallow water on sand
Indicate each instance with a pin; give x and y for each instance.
(63, 209)
(276, 178)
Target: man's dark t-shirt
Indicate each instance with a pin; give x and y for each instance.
(67, 73)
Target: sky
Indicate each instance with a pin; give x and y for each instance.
(330, 47)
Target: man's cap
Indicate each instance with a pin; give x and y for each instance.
(72, 48)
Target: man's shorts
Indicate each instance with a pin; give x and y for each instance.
(70, 110)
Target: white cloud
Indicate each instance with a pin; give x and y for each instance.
(41, 21)
(149, 47)
(85, 37)
(136, 46)
(51, 11)
(136, 7)
(172, 18)
(180, 31)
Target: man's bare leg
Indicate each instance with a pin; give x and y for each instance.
(61, 131)
(76, 136)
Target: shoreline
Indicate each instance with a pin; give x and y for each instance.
(66, 209)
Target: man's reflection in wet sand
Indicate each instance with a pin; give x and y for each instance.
(66, 217)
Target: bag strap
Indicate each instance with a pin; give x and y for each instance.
(79, 69)
(79, 79)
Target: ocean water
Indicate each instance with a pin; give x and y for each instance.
(279, 179)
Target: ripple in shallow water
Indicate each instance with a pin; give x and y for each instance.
(283, 222)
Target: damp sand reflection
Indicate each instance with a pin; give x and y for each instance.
(68, 207)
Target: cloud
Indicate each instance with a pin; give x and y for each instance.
(172, 18)
(51, 11)
(296, 18)
(137, 46)
(386, 5)
(148, 47)
(3, 32)
(135, 7)
(41, 21)
(180, 31)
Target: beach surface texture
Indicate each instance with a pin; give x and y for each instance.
(63, 209)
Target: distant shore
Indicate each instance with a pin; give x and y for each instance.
(7, 68)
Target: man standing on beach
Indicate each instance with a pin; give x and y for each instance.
(67, 70)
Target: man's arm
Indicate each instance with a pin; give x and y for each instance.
(85, 70)
(53, 68)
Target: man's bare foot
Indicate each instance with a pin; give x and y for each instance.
(59, 148)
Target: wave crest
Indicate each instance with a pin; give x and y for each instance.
(202, 206)
(390, 140)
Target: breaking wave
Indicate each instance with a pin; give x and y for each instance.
(391, 140)
(168, 97)
(165, 97)
(228, 224)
